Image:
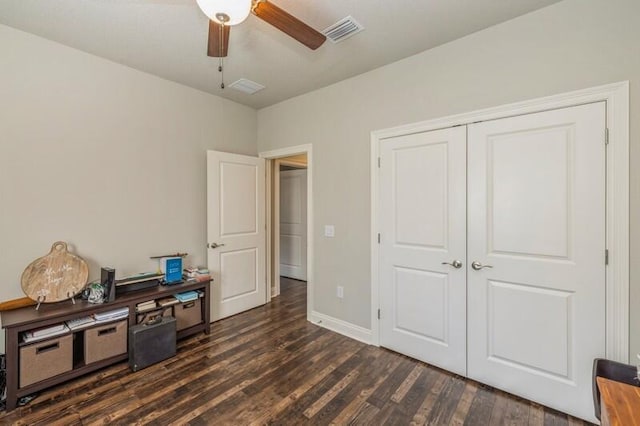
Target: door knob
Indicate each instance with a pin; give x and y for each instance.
(477, 265)
(214, 245)
(456, 264)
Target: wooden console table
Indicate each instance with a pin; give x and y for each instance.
(619, 402)
(20, 320)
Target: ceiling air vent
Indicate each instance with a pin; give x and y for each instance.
(246, 86)
(343, 29)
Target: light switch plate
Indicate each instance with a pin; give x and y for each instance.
(329, 231)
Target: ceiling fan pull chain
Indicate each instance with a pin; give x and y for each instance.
(221, 65)
(221, 71)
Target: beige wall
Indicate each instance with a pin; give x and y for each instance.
(107, 158)
(568, 46)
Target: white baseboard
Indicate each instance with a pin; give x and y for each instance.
(339, 326)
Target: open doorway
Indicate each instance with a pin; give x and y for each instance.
(289, 218)
(292, 234)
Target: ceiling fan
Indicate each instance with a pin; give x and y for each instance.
(223, 14)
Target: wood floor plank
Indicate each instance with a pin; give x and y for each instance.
(481, 407)
(412, 402)
(294, 412)
(499, 406)
(407, 383)
(422, 413)
(270, 365)
(517, 412)
(383, 393)
(370, 367)
(464, 404)
(272, 414)
(554, 418)
(330, 394)
(374, 371)
(365, 416)
(445, 406)
(536, 415)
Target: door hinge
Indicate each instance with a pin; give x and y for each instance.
(378, 238)
(378, 313)
(606, 136)
(606, 256)
(378, 162)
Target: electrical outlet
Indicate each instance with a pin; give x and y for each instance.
(340, 292)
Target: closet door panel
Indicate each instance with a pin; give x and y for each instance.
(536, 194)
(422, 209)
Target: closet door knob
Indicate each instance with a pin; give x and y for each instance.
(477, 265)
(456, 264)
(214, 245)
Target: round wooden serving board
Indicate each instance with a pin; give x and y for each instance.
(56, 276)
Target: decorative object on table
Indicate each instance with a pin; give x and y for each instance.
(108, 281)
(58, 276)
(96, 293)
(10, 305)
(176, 254)
(171, 266)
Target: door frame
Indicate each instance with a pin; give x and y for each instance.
(616, 96)
(273, 219)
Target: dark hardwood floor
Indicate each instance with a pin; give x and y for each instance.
(271, 366)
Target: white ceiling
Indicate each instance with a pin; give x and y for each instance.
(168, 38)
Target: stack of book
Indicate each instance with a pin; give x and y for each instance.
(44, 333)
(112, 315)
(81, 322)
(187, 296)
(197, 274)
(168, 301)
(146, 306)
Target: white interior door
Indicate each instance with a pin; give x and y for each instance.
(236, 232)
(293, 224)
(422, 216)
(537, 216)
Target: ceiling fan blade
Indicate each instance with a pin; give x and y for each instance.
(289, 24)
(214, 47)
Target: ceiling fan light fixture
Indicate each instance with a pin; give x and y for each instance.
(227, 12)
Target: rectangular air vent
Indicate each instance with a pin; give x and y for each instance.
(246, 86)
(343, 29)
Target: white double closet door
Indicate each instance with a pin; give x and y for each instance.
(522, 199)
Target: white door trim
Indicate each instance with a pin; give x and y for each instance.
(616, 96)
(287, 152)
(274, 231)
(273, 218)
